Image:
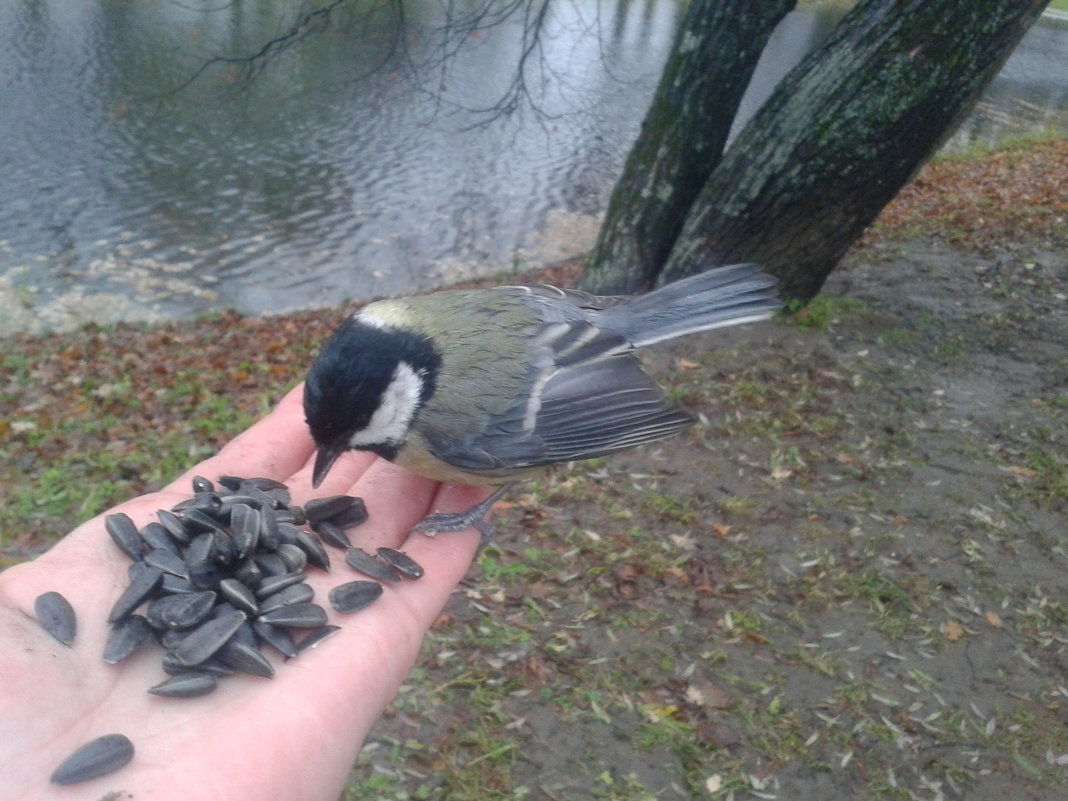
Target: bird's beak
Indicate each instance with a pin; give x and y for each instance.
(324, 460)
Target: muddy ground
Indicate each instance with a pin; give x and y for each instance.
(850, 582)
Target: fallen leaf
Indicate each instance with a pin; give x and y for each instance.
(953, 630)
(993, 619)
(1026, 472)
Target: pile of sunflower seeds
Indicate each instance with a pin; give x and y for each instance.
(219, 576)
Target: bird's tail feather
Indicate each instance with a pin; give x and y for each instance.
(739, 293)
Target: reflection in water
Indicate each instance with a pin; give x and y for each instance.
(344, 164)
(145, 174)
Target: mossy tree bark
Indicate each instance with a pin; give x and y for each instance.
(839, 137)
(716, 49)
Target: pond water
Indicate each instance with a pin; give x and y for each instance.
(151, 169)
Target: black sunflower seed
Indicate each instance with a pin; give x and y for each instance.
(269, 534)
(156, 536)
(232, 483)
(206, 640)
(271, 564)
(323, 508)
(277, 637)
(313, 549)
(96, 758)
(201, 484)
(125, 534)
(175, 526)
(172, 667)
(293, 515)
(294, 594)
(355, 595)
(225, 552)
(186, 685)
(297, 616)
(332, 534)
(125, 637)
(246, 658)
(180, 611)
(56, 616)
(168, 562)
(173, 585)
(201, 505)
(239, 595)
(226, 509)
(248, 573)
(287, 534)
(272, 584)
(244, 529)
(262, 484)
(198, 556)
(200, 521)
(351, 517)
(294, 558)
(401, 562)
(143, 580)
(362, 561)
(316, 637)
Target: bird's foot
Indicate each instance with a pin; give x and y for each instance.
(458, 521)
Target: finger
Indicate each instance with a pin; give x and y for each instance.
(344, 473)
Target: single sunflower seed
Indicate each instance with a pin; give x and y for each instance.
(277, 637)
(359, 559)
(56, 616)
(401, 562)
(313, 549)
(201, 484)
(355, 595)
(246, 658)
(180, 611)
(125, 637)
(143, 580)
(156, 535)
(98, 757)
(125, 534)
(186, 685)
(208, 638)
(322, 508)
(239, 595)
(353, 516)
(332, 534)
(273, 584)
(316, 637)
(297, 616)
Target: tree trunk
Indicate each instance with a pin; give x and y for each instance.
(843, 132)
(715, 52)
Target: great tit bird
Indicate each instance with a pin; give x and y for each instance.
(486, 386)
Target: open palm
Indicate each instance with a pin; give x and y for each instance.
(293, 737)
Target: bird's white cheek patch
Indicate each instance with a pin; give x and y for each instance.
(389, 424)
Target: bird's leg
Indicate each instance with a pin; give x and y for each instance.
(458, 521)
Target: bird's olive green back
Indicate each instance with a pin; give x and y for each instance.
(488, 362)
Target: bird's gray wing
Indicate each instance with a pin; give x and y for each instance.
(576, 297)
(590, 399)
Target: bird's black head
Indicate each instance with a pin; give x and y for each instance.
(364, 388)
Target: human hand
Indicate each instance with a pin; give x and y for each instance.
(290, 738)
